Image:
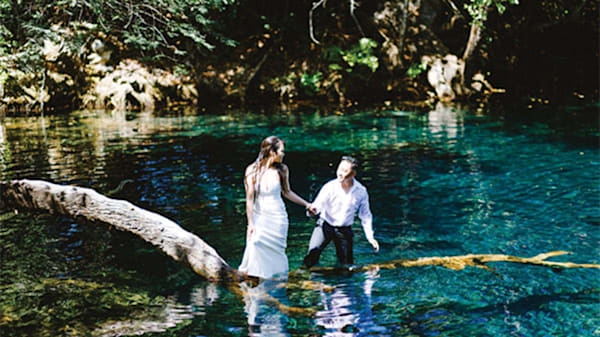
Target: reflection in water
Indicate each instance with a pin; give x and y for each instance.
(148, 320)
(160, 318)
(444, 119)
(203, 297)
(264, 319)
(74, 147)
(347, 311)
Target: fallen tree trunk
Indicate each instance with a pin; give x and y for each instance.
(86, 204)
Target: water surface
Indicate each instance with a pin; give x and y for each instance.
(446, 182)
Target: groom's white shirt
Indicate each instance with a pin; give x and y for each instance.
(338, 207)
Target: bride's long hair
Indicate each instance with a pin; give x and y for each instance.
(268, 149)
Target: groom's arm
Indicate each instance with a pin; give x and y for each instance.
(366, 218)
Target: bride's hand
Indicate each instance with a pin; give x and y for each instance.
(249, 232)
(311, 210)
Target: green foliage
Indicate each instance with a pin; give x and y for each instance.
(362, 54)
(3, 76)
(359, 61)
(359, 55)
(5, 39)
(286, 85)
(478, 8)
(311, 83)
(173, 29)
(416, 69)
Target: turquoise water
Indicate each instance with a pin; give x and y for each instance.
(442, 183)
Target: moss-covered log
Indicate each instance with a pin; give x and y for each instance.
(462, 261)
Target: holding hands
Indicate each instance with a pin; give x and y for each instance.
(311, 210)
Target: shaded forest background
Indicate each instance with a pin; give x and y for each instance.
(58, 55)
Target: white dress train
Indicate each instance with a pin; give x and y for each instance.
(264, 255)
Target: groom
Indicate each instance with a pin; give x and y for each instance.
(336, 205)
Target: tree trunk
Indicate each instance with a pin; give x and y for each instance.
(474, 37)
(392, 22)
(86, 204)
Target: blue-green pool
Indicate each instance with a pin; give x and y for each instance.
(444, 182)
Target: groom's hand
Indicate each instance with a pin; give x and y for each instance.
(312, 211)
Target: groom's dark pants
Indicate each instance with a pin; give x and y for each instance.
(322, 235)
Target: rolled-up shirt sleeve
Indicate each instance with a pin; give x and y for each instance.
(365, 216)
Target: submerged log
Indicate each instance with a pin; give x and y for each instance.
(86, 204)
(462, 261)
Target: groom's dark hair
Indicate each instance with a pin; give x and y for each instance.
(353, 162)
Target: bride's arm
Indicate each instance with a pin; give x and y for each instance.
(291, 195)
(249, 187)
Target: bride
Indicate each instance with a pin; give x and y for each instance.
(265, 181)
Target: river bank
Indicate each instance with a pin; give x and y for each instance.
(414, 53)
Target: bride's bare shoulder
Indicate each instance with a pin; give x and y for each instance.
(250, 170)
(251, 167)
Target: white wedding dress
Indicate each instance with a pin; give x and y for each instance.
(264, 255)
